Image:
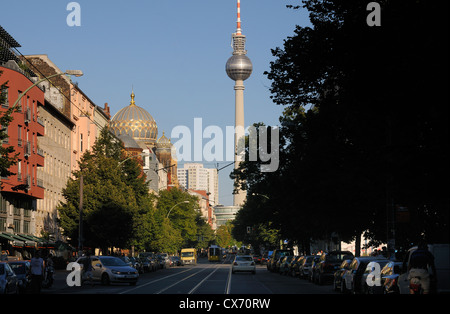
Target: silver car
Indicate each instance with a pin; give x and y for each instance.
(109, 269)
(243, 263)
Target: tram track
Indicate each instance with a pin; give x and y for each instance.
(202, 278)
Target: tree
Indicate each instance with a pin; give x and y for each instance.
(364, 128)
(224, 236)
(7, 159)
(115, 207)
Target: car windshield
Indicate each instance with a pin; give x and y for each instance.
(112, 261)
(187, 254)
(244, 258)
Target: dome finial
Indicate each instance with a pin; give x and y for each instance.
(132, 103)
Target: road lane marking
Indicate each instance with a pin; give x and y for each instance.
(168, 287)
(201, 282)
(153, 281)
(228, 285)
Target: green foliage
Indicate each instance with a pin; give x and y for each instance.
(113, 201)
(119, 211)
(364, 126)
(7, 156)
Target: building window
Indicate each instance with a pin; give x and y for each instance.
(2, 224)
(19, 135)
(19, 105)
(3, 205)
(5, 103)
(16, 225)
(26, 226)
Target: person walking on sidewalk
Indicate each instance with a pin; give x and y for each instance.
(87, 269)
(37, 270)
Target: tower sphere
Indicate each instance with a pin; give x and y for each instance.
(239, 67)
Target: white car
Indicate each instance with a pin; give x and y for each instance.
(243, 263)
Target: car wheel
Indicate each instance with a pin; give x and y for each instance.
(105, 280)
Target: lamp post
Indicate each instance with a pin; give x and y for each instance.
(76, 73)
(184, 202)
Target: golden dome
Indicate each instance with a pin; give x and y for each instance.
(136, 122)
(163, 143)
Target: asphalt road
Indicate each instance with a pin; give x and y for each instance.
(204, 278)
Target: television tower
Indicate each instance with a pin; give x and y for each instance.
(239, 68)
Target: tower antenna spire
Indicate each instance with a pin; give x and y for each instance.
(238, 30)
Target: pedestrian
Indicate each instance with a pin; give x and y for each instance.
(4, 256)
(87, 268)
(37, 271)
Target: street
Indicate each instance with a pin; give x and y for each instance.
(204, 278)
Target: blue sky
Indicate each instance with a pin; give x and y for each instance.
(173, 53)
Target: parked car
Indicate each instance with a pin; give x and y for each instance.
(285, 262)
(176, 261)
(294, 267)
(243, 263)
(376, 265)
(136, 264)
(108, 269)
(22, 269)
(351, 280)
(389, 278)
(329, 263)
(337, 280)
(148, 264)
(276, 255)
(164, 260)
(8, 280)
(305, 266)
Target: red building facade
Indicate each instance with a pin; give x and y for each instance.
(20, 191)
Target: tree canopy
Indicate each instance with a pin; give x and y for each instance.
(119, 210)
(364, 131)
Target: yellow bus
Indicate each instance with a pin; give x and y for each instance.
(189, 256)
(214, 253)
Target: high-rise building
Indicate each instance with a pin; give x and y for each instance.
(239, 68)
(194, 176)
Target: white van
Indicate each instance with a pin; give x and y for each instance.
(441, 255)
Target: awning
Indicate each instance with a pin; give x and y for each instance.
(15, 241)
(27, 242)
(7, 237)
(30, 239)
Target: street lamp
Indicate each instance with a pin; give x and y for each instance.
(254, 194)
(184, 202)
(76, 73)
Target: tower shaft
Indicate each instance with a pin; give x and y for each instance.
(239, 137)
